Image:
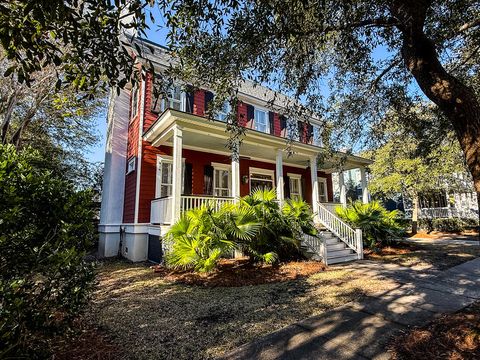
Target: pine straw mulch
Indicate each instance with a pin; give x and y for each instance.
(86, 342)
(240, 272)
(424, 255)
(453, 337)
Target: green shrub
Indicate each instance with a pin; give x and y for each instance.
(379, 226)
(470, 223)
(448, 225)
(201, 236)
(45, 229)
(426, 224)
(255, 225)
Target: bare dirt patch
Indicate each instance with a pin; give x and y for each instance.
(239, 272)
(453, 336)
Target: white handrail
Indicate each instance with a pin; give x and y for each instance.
(315, 244)
(351, 237)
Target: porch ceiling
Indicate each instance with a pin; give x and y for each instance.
(210, 136)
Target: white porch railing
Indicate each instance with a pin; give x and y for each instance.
(442, 212)
(193, 202)
(316, 245)
(161, 210)
(351, 237)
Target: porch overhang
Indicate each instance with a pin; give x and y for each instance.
(202, 134)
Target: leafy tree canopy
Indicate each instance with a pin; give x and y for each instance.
(403, 165)
(80, 36)
(371, 56)
(59, 123)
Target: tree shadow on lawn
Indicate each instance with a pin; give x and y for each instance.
(153, 318)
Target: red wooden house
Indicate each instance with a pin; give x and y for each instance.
(164, 156)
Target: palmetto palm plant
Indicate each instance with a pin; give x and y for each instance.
(378, 224)
(299, 212)
(201, 236)
(255, 225)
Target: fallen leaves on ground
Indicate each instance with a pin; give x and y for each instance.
(453, 337)
(149, 316)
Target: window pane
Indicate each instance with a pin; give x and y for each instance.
(224, 179)
(292, 130)
(317, 140)
(260, 120)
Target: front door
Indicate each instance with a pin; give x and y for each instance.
(322, 190)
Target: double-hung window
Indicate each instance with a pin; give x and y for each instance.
(292, 130)
(261, 121)
(221, 180)
(222, 113)
(322, 190)
(164, 182)
(165, 178)
(295, 186)
(317, 136)
(175, 100)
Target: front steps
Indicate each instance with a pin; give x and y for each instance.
(337, 250)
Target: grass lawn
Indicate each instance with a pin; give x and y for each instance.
(150, 317)
(425, 255)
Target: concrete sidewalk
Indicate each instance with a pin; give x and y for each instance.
(361, 330)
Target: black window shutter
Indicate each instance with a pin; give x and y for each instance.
(250, 113)
(187, 180)
(271, 120)
(286, 186)
(189, 101)
(208, 98)
(283, 124)
(208, 180)
(303, 182)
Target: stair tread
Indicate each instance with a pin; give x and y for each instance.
(341, 256)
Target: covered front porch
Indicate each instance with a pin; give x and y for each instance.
(194, 167)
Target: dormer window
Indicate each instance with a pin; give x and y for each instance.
(261, 121)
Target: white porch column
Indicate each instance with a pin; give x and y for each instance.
(279, 173)
(343, 188)
(314, 179)
(236, 172)
(177, 172)
(363, 181)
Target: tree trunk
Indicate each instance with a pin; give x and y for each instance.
(457, 101)
(415, 214)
